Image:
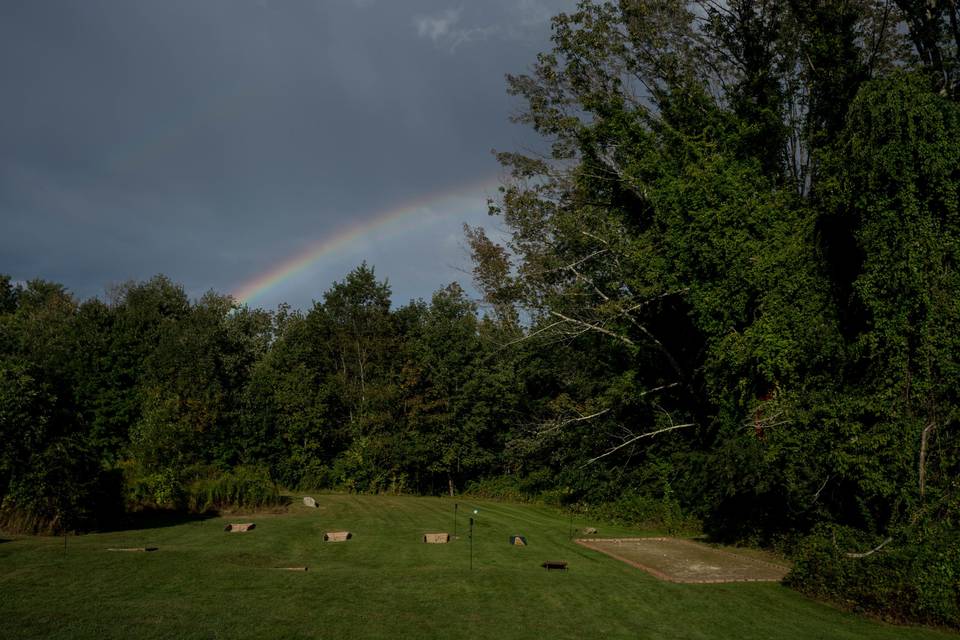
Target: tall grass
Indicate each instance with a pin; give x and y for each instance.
(202, 489)
(245, 487)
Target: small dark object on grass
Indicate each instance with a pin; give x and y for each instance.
(554, 564)
(133, 549)
(240, 528)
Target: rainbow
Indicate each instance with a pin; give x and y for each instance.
(301, 261)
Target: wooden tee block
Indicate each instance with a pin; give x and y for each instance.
(436, 538)
(337, 536)
(240, 527)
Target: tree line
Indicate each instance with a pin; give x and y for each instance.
(155, 388)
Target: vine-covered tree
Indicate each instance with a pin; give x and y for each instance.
(697, 210)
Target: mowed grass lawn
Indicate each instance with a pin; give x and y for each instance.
(204, 583)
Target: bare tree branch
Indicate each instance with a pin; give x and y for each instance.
(634, 439)
(560, 425)
(872, 551)
(660, 388)
(594, 327)
(816, 496)
(531, 335)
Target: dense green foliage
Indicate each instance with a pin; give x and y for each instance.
(731, 295)
(912, 577)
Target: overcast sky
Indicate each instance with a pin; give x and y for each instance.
(212, 140)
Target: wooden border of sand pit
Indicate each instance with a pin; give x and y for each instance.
(590, 543)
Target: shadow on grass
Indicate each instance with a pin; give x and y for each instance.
(156, 519)
(2, 540)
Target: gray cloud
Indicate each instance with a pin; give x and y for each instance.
(522, 20)
(444, 29)
(210, 141)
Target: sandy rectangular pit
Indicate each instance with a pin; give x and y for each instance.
(677, 560)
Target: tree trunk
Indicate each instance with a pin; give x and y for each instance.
(363, 382)
(924, 439)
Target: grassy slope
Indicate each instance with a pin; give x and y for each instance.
(204, 583)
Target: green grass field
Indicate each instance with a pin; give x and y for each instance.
(204, 583)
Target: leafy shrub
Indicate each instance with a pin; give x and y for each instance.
(64, 489)
(914, 578)
(638, 510)
(530, 488)
(364, 468)
(315, 476)
(507, 488)
(159, 490)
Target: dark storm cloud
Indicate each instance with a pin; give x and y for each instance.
(210, 140)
